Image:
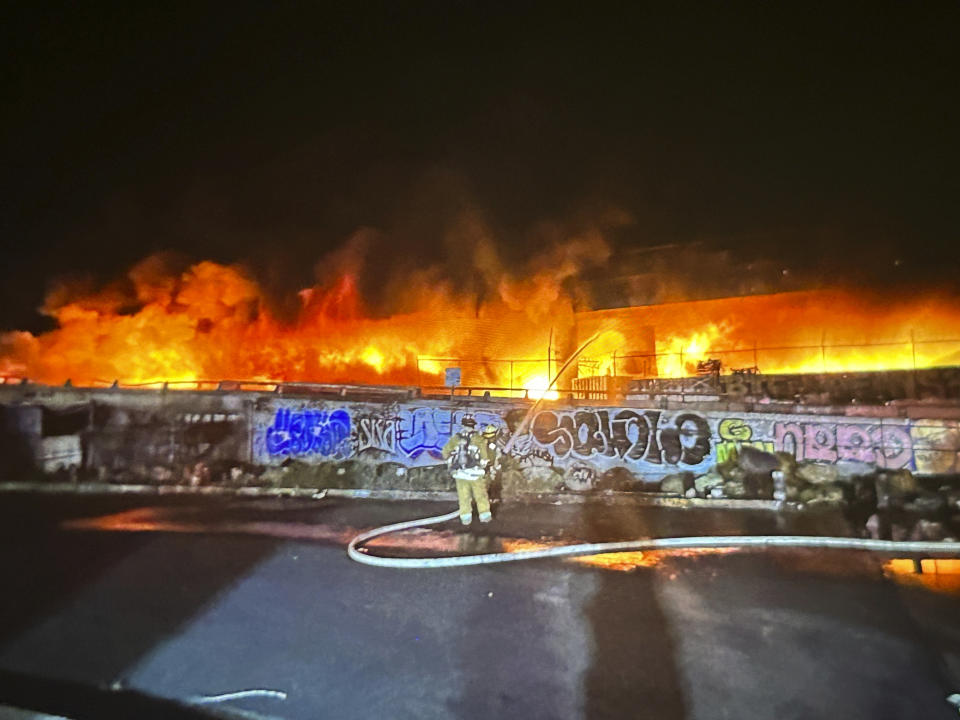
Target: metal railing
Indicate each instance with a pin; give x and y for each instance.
(511, 377)
(500, 376)
(262, 386)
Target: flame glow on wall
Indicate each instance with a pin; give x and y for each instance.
(214, 322)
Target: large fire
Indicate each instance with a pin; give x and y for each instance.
(798, 332)
(214, 322)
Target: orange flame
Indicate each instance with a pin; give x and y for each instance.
(214, 322)
(798, 332)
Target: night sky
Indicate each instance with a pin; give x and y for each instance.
(819, 137)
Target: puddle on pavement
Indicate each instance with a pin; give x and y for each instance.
(935, 574)
(940, 575)
(621, 561)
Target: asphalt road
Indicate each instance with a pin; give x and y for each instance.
(190, 598)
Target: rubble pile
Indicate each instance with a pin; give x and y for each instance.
(885, 504)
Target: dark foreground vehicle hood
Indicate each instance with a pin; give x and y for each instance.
(83, 702)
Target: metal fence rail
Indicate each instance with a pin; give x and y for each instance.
(526, 377)
(825, 357)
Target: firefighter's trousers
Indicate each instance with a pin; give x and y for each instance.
(473, 490)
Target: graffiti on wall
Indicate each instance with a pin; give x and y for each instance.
(578, 441)
(298, 433)
(886, 446)
(423, 431)
(411, 434)
(936, 446)
(580, 477)
(374, 432)
(625, 434)
(735, 433)
(526, 453)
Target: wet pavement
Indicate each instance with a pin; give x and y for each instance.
(185, 597)
(601, 520)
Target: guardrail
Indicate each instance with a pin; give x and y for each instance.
(262, 386)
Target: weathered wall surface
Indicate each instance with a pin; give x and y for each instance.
(249, 438)
(590, 441)
(125, 436)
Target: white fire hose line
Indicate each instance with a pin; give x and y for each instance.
(239, 695)
(678, 543)
(702, 542)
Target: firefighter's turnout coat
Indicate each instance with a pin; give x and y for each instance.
(467, 454)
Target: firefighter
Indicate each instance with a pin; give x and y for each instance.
(493, 452)
(468, 456)
(490, 433)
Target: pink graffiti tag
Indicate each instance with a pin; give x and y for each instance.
(820, 442)
(896, 447)
(887, 447)
(855, 443)
(788, 437)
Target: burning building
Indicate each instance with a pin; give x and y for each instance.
(212, 322)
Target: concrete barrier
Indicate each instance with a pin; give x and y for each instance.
(357, 440)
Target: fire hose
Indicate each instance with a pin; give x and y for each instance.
(355, 552)
(643, 544)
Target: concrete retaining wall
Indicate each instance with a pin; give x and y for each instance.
(245, 438)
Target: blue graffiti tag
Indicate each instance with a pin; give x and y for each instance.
(309, 432)
(425, 430)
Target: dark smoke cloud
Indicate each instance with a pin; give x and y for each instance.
(817, 140)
